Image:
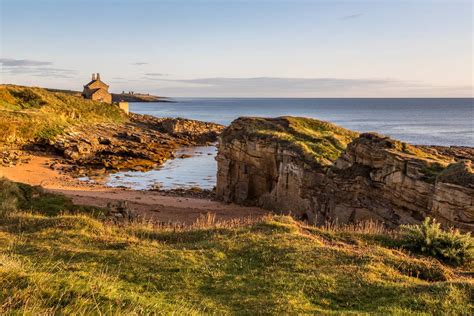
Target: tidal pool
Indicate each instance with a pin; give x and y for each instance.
(197, 168)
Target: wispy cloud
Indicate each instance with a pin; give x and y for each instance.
(10, 62)
(273, 83)
(33, 68)
(140, 63)
(275, 86)
(40, 71)
(155, 74)
(296, 87)
(351, 17)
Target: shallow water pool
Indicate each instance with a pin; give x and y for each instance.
(198, 169)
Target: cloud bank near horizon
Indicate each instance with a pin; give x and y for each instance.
(164, 84)
(11, 66)
(303, 87)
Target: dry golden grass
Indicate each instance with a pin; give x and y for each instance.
(28, 113)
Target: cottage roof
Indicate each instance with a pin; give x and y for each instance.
(93, 91)
(96, 84)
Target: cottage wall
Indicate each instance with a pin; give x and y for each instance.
(102, 96)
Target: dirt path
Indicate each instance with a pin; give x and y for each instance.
(149, 204)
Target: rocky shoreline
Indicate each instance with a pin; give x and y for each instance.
(271, 163)
(311, 169)
(141, 144)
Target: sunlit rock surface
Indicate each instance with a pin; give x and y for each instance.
(319, 172)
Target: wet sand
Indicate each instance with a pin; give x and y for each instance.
(148, 204)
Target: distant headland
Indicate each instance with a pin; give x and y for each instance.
(97, 90)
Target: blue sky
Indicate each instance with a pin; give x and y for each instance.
(242, 48)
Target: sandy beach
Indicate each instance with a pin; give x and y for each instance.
(148, 204)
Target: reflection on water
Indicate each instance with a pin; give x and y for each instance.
(198, 169)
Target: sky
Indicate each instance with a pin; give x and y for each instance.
(258, 48)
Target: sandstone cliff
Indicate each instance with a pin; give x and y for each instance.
(319, 172)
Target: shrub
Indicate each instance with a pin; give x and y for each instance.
(429, 239)
(28, 99)
(9, 193)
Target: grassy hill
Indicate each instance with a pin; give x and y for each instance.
(28, 113)
(76, 263)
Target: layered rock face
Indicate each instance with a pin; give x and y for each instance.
(371, 177)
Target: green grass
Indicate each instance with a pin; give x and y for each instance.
(34, 114)
(19, 196)
(320, 142)
(77, 264)
(432, 171)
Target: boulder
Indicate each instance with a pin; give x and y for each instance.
(120, 211)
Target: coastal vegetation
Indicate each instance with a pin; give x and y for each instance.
(28, 114)
(60, 258)
(428, 238)
(318, 141)
(74, 262)
(19, 196)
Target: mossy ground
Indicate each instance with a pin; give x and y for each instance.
(319, 141)
(77, 264)
(28, 113)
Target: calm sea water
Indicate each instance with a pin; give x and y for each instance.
(418, 121)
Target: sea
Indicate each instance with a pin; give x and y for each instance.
(426, 121)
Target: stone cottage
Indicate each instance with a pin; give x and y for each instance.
(97, 90)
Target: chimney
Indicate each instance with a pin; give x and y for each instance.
(93, 77)
(98, 76)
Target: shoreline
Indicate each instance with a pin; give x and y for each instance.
(154, 205)
(177, 173)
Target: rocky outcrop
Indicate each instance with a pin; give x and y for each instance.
(10, 158)
(373, 177)
(185, 129)
(141, 144)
